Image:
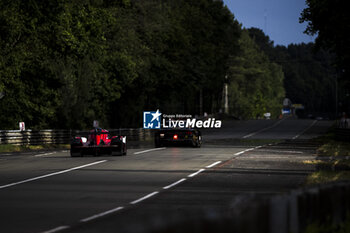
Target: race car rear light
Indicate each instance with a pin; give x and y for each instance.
(175, 137)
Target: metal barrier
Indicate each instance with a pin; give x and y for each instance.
(289, 213)
(39, 137)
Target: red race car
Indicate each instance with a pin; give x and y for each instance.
(99, 141)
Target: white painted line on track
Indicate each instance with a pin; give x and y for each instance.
(57, 229)
(101, 214)
(39, 155)
(133, 202)
(284, 151)
(239, 153)
(196, 173)
(175, 183)
(298, 135)
(51, 174)
(246, 150)
(213, 164)
(262, 130)
(143, 198)
(145, 151)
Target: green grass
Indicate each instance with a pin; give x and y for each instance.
(327, 176)
(15, 148)
(336, 168)
(340, 164)
(334, 148)
(9, 148)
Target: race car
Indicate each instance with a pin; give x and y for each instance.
(182, 136)
(99, 141)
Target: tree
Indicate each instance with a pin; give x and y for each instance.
(330, 20)
(64, 64)
(309, 74)
(255, 84)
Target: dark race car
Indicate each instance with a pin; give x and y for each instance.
(98, 141)
(191, 137)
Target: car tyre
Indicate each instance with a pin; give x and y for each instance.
(197, 142)
(119, 152)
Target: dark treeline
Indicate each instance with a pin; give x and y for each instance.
(65, 63)
(309, 74)
(330, 21)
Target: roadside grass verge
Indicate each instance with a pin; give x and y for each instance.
(334, 148)
(7, 148)
(332, 162)
(326, 176)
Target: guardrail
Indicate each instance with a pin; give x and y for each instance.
(326, 205)
(39, 137)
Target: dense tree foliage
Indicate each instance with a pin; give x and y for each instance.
(330, 21)
(53, 63)
(188, 44)
(65, 63)
(255, 83)
(310, 75)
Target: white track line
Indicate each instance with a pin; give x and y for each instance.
(143, 198)
(284, 151)
(39, 155)
(133, 202)
(101, 214)
(213, 164)
(57, 229)
(246, 150)
(175, 183)
(239, 153)
(51, 174)
(298, 135)
(262, 130)
(145, 151)
(196, 173)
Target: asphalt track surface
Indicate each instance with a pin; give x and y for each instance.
(152, 188)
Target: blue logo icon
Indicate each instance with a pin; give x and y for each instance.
(151, 120)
